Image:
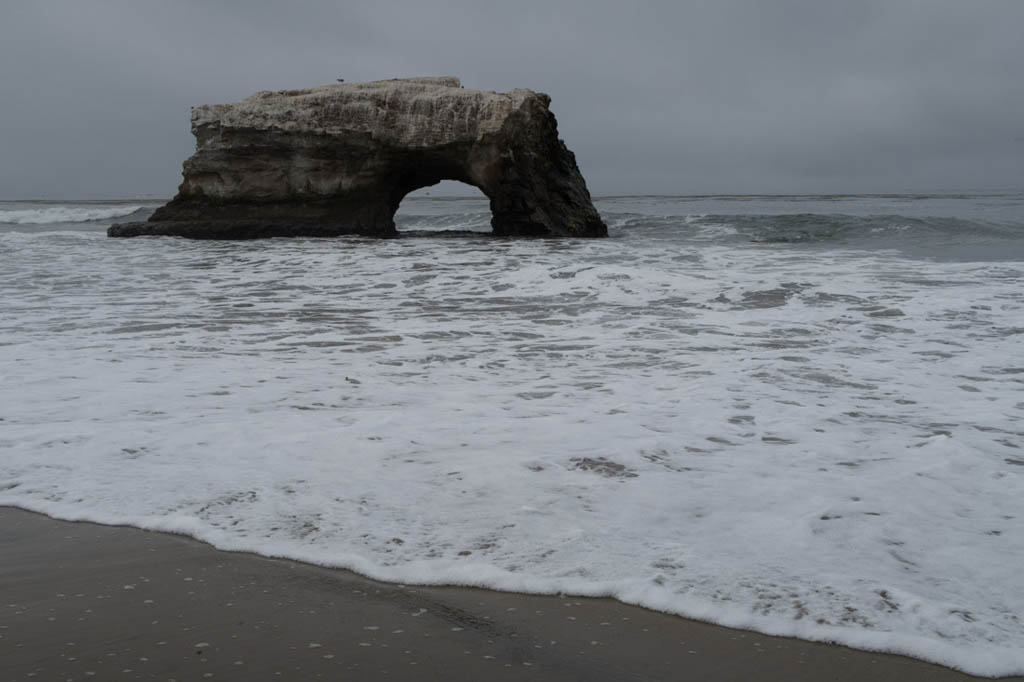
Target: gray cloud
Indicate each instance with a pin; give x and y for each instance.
(657, 97)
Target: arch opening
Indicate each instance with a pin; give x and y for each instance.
(447, 207)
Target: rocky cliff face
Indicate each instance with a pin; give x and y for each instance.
(337, 159)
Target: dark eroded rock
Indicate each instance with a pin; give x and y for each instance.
(337, 159)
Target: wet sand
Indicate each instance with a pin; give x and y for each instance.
(80, 601)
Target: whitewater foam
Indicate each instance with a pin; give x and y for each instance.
(64, 214)
(818, 443)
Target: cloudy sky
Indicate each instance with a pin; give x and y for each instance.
(683, 97)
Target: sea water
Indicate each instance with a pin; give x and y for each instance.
(799, 415)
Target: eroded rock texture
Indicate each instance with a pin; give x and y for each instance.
(337, 159)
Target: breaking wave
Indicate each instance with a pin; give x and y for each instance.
(815, 227)
(948, 238)
(469, 221)
(65, 214)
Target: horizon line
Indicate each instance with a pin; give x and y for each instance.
(598, 197)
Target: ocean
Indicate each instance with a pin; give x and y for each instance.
(798, 415)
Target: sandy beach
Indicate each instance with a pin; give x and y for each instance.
(88, 602)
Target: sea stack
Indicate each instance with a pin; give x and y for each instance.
(338, 159)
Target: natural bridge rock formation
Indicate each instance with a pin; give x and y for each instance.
(337, 159)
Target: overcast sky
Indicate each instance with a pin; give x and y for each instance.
(759, 96)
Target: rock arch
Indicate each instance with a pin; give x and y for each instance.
(338, 159)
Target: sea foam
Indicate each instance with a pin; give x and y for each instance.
(64, 214)
(824, 444)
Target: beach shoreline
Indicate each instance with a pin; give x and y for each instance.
(87, 601)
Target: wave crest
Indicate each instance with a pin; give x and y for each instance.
(65, 214)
